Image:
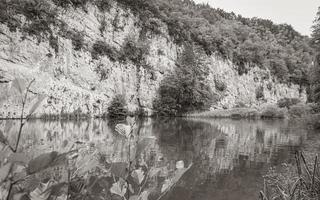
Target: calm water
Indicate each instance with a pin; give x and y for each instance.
(228, 157)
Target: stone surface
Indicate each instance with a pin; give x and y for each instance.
(72, 83)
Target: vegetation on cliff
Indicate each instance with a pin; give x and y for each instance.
(245, 41)
(186, 89)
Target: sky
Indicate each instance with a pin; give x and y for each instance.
(299, 13)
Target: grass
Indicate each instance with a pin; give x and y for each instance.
(229, 113)
(268, 112)
(297, 181)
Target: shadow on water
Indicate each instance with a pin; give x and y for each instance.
(228, 157)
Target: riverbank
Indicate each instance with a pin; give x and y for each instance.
(306, 111)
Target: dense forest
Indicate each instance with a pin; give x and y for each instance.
(246, 42)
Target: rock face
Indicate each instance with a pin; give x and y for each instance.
(75, 82)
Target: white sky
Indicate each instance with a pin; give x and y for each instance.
(299, 13)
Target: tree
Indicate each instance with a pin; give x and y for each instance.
(316, 31)
(186, 89)
(315, 78)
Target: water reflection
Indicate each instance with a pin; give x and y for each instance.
(229, 157)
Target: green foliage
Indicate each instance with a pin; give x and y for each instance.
(247, 42)
(101, 48)
(186, 89)
(315, 80)
(103, 5)
(272, 112)
(299, 110)
(134, 51)
(316, 31)
(287, 102)
(72, 3)
(259, 92)
(220, 85)
(41, 17)
(118, 107)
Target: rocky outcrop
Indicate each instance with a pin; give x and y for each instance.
(75, 82)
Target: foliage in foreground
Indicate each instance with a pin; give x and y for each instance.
(83, 171)
(296, 182)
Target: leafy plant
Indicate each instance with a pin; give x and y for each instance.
(299, 181)
(134, 51)
(117, 107)
(101, 48)
(220, 85)
(23, 89)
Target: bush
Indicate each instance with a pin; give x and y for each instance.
(272, 112)
(134, 51)
(259, 92)
(240, 104)
(117, 108)
(298, 111)
(288, 102)
(103, 5)
(101, 48)
(72, 3)
(220, 85)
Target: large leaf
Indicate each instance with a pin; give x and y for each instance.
(154, 171)
(131, 121)
(169, 183)
(119, 169)
(42, 192)
(143, 196)
(41, 162)
(37, 104)
(8, 126)
(19, 158)
(86, 164)
(143, 144)
(119, 188)
(19, 84)
(180, 164)
(3, 138)
(124, 130)
(4, 171)
(138, 176)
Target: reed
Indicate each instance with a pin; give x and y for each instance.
(298, 181)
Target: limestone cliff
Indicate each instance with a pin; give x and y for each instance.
(75, 82)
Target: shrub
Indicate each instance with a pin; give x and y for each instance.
(102, 72)
(101, 48)
(103, 5)
(300, 110)
(288, 102)
(220, 85)
(240, 104)
(259, 92)
(134, 51)
(77, 39)
(71, 3)
(272, 112)
(117, 108)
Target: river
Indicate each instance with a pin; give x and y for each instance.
(189, 159)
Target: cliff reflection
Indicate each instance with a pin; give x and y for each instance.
(227, 155)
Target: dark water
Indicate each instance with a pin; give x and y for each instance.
(228, 157)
